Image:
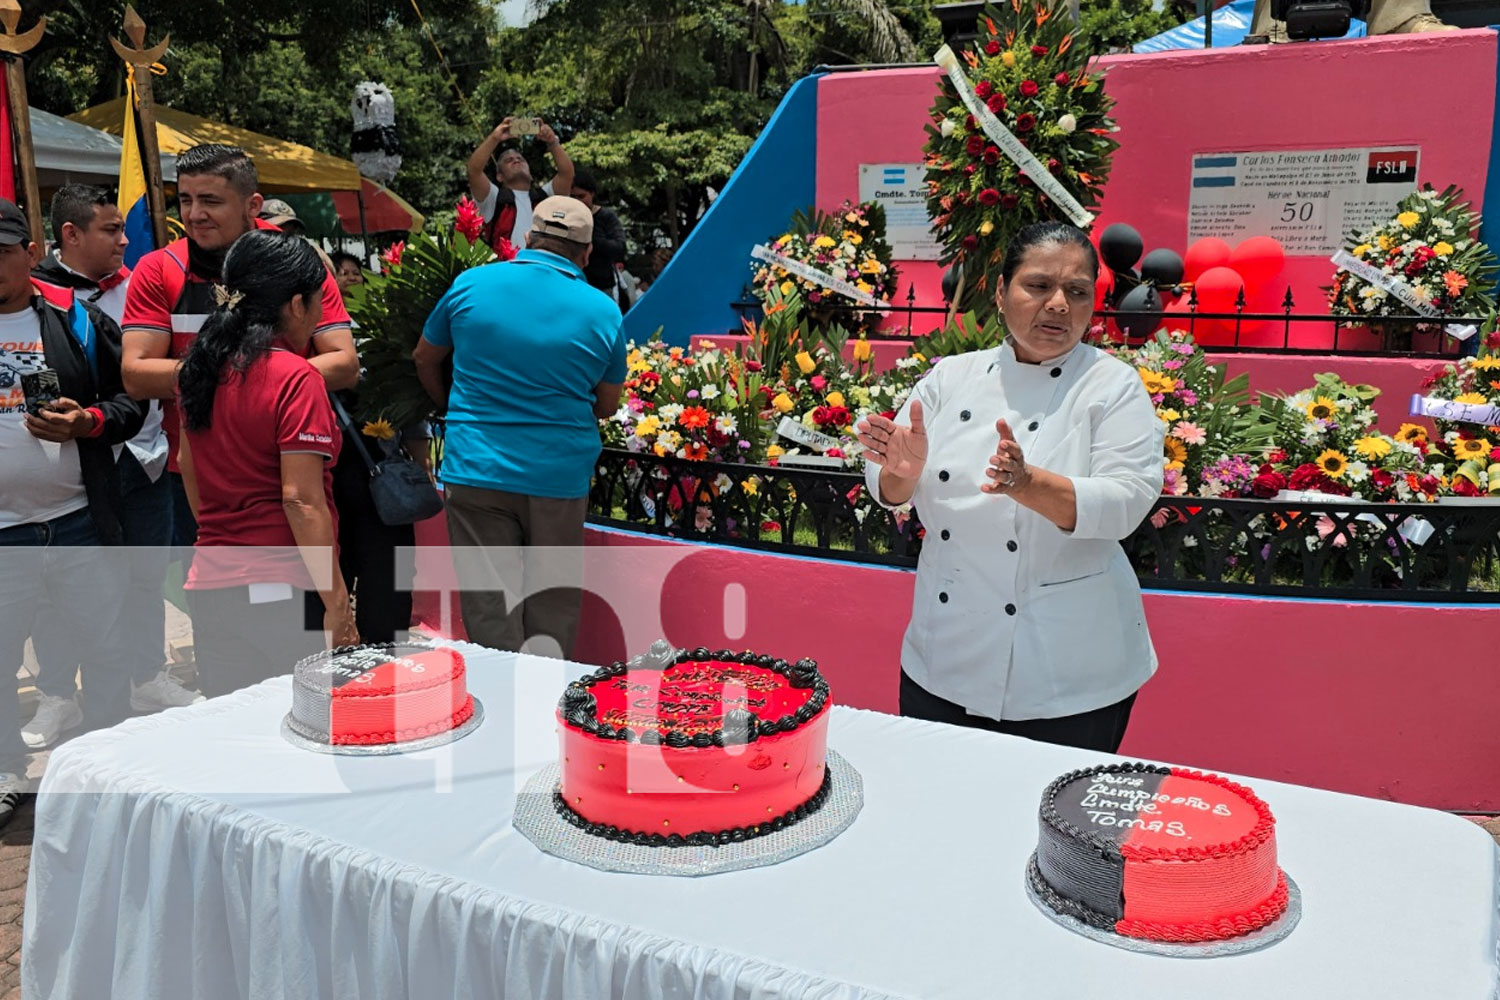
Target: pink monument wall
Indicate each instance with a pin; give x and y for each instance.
(1176, 104)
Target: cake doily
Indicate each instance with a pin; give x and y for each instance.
(537, 819)
(1254, 941)
(296, 739)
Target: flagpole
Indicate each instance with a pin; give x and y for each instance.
(138, 64)
(14, 45)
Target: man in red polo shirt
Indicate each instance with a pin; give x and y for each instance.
(171, 294)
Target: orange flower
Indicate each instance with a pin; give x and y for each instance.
(694, 417)
(695, 452)
(1455, 283)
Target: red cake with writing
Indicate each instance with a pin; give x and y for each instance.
(378, 695)
(1166, 854)
(699, 748)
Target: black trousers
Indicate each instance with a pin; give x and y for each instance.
(1103, 729)
(237, 644)
(379, 581)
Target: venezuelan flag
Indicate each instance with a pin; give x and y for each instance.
(133, 202)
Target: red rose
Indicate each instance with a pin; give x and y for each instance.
(1025, 181)
(1428, 484)
(970, 169)
(1383, 480)
(971, 242)
(1062, 79)
(992, 47)
(1025, 121)
(1009, 201)
(971, 123)
(1494, 456)
(975, 145)
(1463, 488)
(1305, 477)
(983, 89)
(989, 196)
(753, 366)
(1029, 88)
(820, 415)
(1054, 165)
(996, 103)
(839, 416)
(1268, 484)
(992, 156)
(1039, 50)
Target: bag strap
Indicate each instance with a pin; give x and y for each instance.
(354, 434)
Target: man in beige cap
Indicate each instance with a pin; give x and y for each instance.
(538, 360)
(1387, 17)
(283, 216)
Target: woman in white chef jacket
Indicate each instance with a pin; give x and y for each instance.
(1027, 465)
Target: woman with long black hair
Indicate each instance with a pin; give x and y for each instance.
(259, 442)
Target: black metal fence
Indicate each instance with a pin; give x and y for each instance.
(1434, 553)
(1232, 332)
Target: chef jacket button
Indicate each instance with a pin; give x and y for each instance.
(965, 415)
(1010, 609)
(1009, 545)
(946, 535)
(943, 476)
(1033, 426)
(1057, 373)
(943, 597)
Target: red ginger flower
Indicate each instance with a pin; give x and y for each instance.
(468, 221)
(392, 257)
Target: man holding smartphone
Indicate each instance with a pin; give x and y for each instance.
(507, 203)
(59, 487)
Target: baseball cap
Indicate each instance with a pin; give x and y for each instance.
(564, 217)
(277, 212)
(14, 229)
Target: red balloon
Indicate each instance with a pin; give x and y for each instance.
(1206, 254)
(1218, 289)
(1258, 260)
(1103, 288)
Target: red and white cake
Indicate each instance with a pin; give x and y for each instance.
(380, 695)
(693, 748)
(1165, 854)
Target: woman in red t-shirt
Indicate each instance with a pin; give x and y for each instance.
(257, 453)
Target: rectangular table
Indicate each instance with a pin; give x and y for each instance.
(197, 854)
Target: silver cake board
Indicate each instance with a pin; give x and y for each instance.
(537, 819)
(1254, 941)
(296, 739)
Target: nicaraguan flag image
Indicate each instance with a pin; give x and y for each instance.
(132, 198)
(1217, 171)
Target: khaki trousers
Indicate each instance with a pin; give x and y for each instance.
(1385, 16)
(519, 562)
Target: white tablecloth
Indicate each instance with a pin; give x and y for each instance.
(195, 854)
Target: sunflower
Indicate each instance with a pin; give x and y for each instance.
(1333, 463)
(1412, 434)
(1472, 398)
(1467, 448)
(1156, 383)
(380, 430)
(1373, 446)
(1322, 408)
(1176, 453)
(1488, 364)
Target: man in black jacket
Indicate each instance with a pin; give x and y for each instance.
(59, 488)
(603, 269)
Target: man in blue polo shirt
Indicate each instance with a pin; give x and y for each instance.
(538, 359)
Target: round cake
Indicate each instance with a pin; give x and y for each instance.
(693, 747)
(380, 695)
(1164, 854)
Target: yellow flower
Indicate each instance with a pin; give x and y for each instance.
(1333, 463)
(987, 228)
(1474, 398)
(1383, 241)
(1156, 383)
(775, 451)
(633, 356)
(1488, 364)
(918, 355)
(750, 486)
(1362, 249)
(1168, 415)
(1373, 446)
(1443, 248)
(1176, 453)
(1322, 408)
(854, 238)
(1408, 220)
(824, 242)
(806, 363)
(1009, 59)
(871, 266)
(835, 399)
(783, 403)
(647, 426)
(866, 287)
(1411, 434)
(787, 288)
(862, 350)
(1466, 448)
(380, 430)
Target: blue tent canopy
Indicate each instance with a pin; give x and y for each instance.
(1231, 25)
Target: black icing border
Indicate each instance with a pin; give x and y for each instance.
(737, 835)
(1062, 904)
(580, 709)
(427, 645)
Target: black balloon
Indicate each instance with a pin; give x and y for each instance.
(1163, 268)
(1121, 246)
(1144, 300)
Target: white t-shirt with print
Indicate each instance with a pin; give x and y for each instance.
(523, 212)
(39, 480)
